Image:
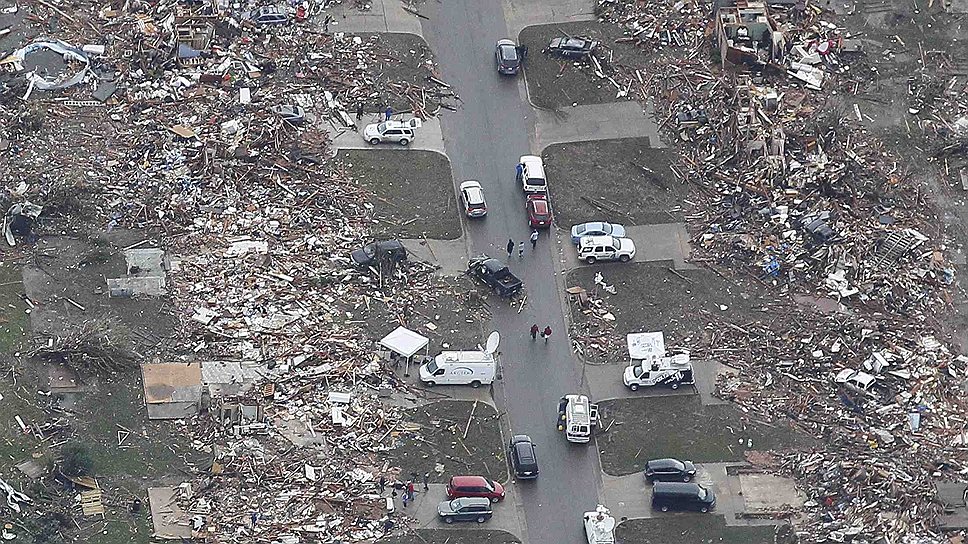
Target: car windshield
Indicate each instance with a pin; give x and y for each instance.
(536, 181)
(617, 243)
(432, 367)
(637, 371)
(488, 486)
(574, 43)
(509, 52)
(382, 127)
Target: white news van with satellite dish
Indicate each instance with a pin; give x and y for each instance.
(471, 367)
(577, 417)
(649, 366)
(599, 526)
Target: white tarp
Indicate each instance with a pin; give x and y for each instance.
(646, 345)
(404, 341)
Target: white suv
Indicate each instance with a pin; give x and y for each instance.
(389, 131)
(605, 248)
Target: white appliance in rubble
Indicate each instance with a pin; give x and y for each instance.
(599, 526)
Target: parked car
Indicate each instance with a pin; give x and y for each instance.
(494, 274)
(472, 195)
(508, 57)
(539, 211)
(474, 486)
(376, 252)
(596, 228)
(465, 509)
(389, 131)
(669, 470)
(531, 174)
(572, 47)
(268, 15)
(682, 496)
(294, 114)
(524, 460)
(605, 248)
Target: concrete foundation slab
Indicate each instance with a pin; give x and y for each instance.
(767, 493)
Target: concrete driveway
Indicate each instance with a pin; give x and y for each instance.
(427, 137)
(662, 242)
(424, 510)
(594, 122)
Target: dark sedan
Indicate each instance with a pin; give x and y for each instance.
(669, 470)
(572, 47)
(371, 254)
(508, 57)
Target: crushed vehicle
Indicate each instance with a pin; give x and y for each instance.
(573, 48)
(377, 252)
(494, 274)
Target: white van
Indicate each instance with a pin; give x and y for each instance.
(532, 176)
(459, 368)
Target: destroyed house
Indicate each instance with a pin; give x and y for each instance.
(746, 34)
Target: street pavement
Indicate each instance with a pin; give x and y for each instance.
(484, 139)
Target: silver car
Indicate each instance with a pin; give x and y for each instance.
(388, 131)
(596, 228)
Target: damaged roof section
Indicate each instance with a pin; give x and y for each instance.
(50, 65)
(172, 390)
(748, 35)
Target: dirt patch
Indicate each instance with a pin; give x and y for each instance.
(680, 426)
(414, 192)
(686, 306)
(435, 434)
(622, 181)
(693, 529)
(445, 315)
(454, 536)
(555, 83)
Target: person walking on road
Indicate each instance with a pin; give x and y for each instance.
(520, 250)
(359, 110)
(534, 331)
(534, 239)
(426, 480)
(546, 333)
(510, 248)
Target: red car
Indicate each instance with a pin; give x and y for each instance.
(474, 486)
(539, 210)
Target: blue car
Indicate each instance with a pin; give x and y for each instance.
(596, 228)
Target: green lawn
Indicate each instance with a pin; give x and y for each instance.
(691, 529)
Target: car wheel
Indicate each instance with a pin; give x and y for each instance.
(624, 258)
(664, 509)
(494, 499)
(404, 142)
(634, 387)
(675, 386)
(431, 383)
(704, 509)
(590, 260)
(685, 478)
(448, 520)
(481, 519)
(475, 384)
(374, 141)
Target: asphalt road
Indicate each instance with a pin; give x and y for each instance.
(484, 140)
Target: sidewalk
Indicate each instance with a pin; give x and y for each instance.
(611, 121)
(383, 16)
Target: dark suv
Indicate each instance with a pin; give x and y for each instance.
(682, 496)
(669, 470)
(465, 509)
(524, 461)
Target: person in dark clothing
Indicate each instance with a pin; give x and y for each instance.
(534, 331)
(383, 484)
(359, 111)
(426, 481)
(546, 333)
(510, 247)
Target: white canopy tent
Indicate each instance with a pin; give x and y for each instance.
(406, 343)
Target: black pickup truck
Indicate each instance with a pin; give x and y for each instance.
(495, 275)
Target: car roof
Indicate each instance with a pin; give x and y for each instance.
(505, 41)
(475, 195)
(666, 463)
(520, 438)
(525, 452)
(540, 205)
(595, 240)
(468, 480)
(474, 501)
(676, 488)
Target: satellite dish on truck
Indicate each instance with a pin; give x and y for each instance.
(493, 340)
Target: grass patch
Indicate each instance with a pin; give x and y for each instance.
(414, 192)
(130, 529)
(692, 529)
(627, 181)
(439, 438)
(14, 321)
(681, 427)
